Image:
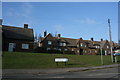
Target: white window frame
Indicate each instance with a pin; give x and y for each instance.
(107, 46)
(72, 49)
(77, 45)
(95, 51)
(49, 42)
(96, 46)
(64, 44)
(81, 44)
(25, 46)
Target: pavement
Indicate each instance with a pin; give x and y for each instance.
(56, 70)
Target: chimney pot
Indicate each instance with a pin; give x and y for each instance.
(59, 35)
(101, 39)
(45, 33)
(25, 25)
(92, 39)
(0, 21)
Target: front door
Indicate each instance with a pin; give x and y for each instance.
(81, 51)
(11, 46)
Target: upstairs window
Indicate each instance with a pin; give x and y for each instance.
(49, 42)
(107, 46)
(64, 44)
(81, 44)
(61, 44)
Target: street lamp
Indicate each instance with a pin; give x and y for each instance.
(110, 40)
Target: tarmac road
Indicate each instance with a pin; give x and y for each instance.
(93, 73)
(100, 73)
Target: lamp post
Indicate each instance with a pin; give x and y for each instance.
(110, 40)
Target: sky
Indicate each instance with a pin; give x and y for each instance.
(70, 19)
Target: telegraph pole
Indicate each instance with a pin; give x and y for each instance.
(110, 40)
(101, 55)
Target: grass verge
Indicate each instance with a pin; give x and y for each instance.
(23, 60)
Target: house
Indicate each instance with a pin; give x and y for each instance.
(17, 38)
(77, 46)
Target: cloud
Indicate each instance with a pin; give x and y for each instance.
(88, 21)
(58, 27)
(26, 9)
(23, 12)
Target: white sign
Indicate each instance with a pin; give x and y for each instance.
(61, 60)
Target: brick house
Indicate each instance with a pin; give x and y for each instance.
(78, 46)
(17, 39)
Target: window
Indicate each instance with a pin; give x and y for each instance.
(95, 51)
(25, 46)
(98, 46)
(107, 46)
(85, 51)
(81, 44)
(90, 51)
(64, 44)
(72, 49)
(49, 42)
(61, 44)
(48, 49)
(65, 49)
(55, 48)
(85, 46)
(77, 45)
(78, 51)
(59, 49)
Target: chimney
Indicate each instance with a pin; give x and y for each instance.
(101, 39)
(92, 39)
(81, 38)
(45, 33)
(59, 35)
(25, 25)
(0, 21)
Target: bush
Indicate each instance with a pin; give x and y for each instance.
(68, 52)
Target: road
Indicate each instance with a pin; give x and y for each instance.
(97, 73)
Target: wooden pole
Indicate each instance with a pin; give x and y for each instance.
(110, 40)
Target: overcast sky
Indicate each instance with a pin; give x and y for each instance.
(70, 19)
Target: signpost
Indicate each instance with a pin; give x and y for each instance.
(57, 60)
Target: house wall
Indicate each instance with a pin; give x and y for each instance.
(18, 46)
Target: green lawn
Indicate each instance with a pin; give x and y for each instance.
(22, 60)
